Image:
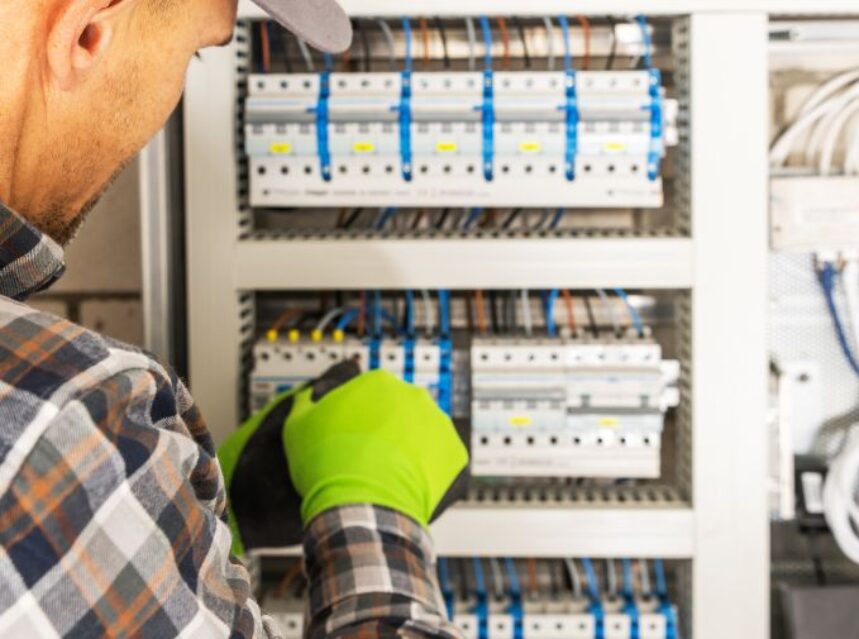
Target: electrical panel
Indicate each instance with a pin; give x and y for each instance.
(533, 599)
(623, 124)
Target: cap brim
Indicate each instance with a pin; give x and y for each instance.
(321, 23)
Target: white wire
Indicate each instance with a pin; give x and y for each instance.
(328, 318)
(827, 151)
(612, 576)
(645, 576)
(429, 312)
(497, 579)
(850, 280)
(305, 53)
(784, 144)
(389, 38)
(550, 43)
(851, 162)
(606, 302)
(839, 500)
(828, 89)
(472, 44)
(575, 578)
(527, 320)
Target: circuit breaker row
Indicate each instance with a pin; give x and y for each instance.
(589, 138)
(507, 609)
(550, 407)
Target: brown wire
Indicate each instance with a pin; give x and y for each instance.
(425, 38)
(586, 29)
(266, 47)
(505, 39)
(532, 575)
(571, 310)
(345, 59)
(288, 579)
(284, 317)
(480, 309)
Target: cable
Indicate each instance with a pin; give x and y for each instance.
(348, 317)
(609, 307)
(486, 28)
(377, 314)
(362, 315)
(633, 312)
(480, 310)
(442, 219)
(591, 318)
(329, 317)
(365, 45)
(429, 312)
(497, 578)
(593, 582)
(439, 25)
(526, 54)
(444, 312)
(850, 279)
(551, 299)
(612, 52)
(410, 313)
(550, 43)
(568, 51)
(628, 587)
(532, 575)
(557, 219)
(833, 133)
(827, 281)
(423, 25)
(281, 321)
(472, 44)
(265, 45)
(505, 41)
(571, 311)
(661, 583)
(385, 216)
(575, 578)
(644, 576)
(473, 216)
(586, 32)
(305, 53)
(645, 42)
(493, 311)
(526, 313)
(389, 38)
(353, 217)
(611, 576)
(510, 219)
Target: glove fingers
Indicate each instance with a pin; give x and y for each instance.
(334, 378)
(262, 496)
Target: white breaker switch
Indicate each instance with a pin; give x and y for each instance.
(614, 142)
(581, 408)
(282, 364)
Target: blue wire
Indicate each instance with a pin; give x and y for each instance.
(487, 41)
(593, 583)
(473, 216)
(444, 312)
(377, 314)
(827, 281)
(556, 221)
(410, 313)
(633, 312)
(329, 61)
(551, 299)
(645, 41)
(407, 32)
(515, 588)
(347, 319)
(384, 218)
(568, 54)
(659, 569)
(479, 583)
(627, 577)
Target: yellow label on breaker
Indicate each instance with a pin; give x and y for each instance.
(363, 147)
(614, 147)
(280, 148)
(530, 147)
(609, 422)
(446, 147)
(520, 421)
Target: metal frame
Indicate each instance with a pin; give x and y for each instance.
(724, 531)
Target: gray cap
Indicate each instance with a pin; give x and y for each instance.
(321, 23)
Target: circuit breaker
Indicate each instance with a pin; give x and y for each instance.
(569, 407)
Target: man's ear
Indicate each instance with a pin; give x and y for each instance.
(78, 34)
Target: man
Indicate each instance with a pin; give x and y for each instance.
(112, 501)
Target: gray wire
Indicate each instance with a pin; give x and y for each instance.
(389, 38)
(575, 579)
(610, 309)
(645, 576)
(497, 578)
(612, 576)
(472, 44)
(526, 313)
(305, 53)
(550, 43)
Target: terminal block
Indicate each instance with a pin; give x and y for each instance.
(556, 407)
(439, 139)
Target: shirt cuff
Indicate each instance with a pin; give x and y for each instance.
(364, 549)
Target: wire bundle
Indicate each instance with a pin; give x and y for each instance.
(823, 120)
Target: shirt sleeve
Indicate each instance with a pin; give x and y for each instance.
(371, 573)
(113, 525)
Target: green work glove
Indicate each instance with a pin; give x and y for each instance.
(263, 507)
(374, 440)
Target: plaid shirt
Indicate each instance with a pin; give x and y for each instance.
(112, 503)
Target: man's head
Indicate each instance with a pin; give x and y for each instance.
(86, 83)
